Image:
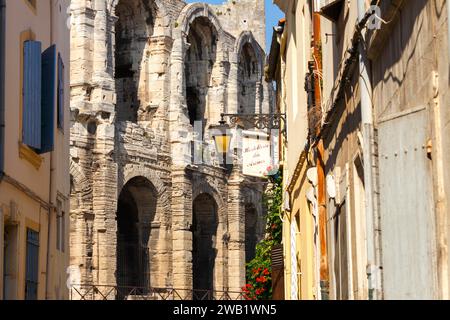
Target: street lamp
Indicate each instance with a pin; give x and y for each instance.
(262, 121)
(222, 137)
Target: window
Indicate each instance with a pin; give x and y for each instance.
(60, 227)
(60, 93)
(38, 96)
(32, 265)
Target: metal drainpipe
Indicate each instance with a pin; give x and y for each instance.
(2, 85)
(373, 270)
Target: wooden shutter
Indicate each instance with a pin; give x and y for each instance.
(277, 272)
(31, 111)
(60, 92)
(48, 99)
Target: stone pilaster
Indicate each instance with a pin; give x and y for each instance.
(181, 229)
(236, 231)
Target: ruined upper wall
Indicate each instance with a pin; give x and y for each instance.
(243, 15)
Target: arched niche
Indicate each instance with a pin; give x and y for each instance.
(136, 210)
(199, 65)
(137, 22)
(204, 251)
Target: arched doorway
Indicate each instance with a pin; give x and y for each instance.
(136, 211)
(251, 236)
(134, 27)
(248, 79)
(199, 65)
(204, 253)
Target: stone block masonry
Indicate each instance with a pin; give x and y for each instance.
(142, 72)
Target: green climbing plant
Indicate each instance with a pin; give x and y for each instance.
(259, 270)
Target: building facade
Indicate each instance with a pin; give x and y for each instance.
(289, 62)
(34, 143)
(381, 105)
(151, 204)
(390, 209)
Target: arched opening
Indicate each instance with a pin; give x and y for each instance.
(199, 65)
(133, 28)
(136, 211)
(251, 236)
(248, 78)
(205, 223)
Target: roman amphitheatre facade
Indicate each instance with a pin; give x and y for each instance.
(144, 73)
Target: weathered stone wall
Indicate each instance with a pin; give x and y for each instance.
(142, 71)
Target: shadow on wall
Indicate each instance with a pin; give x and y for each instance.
(136, 211)
(204, 253)
(401, 42)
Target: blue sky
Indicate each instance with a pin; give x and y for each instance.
(273, 14)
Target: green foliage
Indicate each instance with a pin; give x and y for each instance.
(259, 270)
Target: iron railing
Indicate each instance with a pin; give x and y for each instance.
(112, 292)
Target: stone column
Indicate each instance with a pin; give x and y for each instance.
(180, 128)
(181, 229)
(267, 95)
(105, 195)
(232, 103)
(81, 214)
(104, 167)
(236, 231)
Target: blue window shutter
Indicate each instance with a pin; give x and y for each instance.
(31, 112)
(60, 92)
(48, 99)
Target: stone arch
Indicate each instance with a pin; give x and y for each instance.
(205, 187)
(162, 17)
(205, 246)
(249, 75)
(199, 65)
(136, 211)
(140, 27)
(196, 10)
(181, 96)
(131, 171)
(246, 37)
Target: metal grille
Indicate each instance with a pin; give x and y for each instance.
(110, 292)
(133, 268)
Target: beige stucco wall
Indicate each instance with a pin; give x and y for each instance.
(296, 53)
(301, 214)
(48, 24)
